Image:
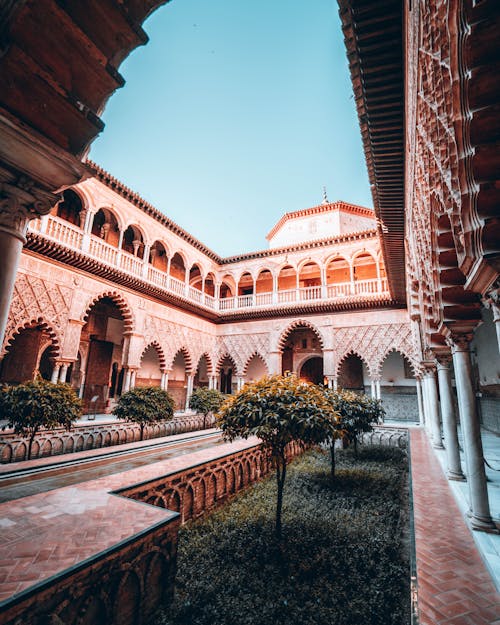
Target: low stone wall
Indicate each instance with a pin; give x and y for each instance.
(125, 584)
(386, 435)
(490, 413)
(13, 448)
(198, 489)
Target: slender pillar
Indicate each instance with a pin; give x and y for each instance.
(133, 373)
(55, 373)
(18, 204)
(372, 388)
(239, 382)
(335, 383)
(189, 390)
(433, 407)
(449, 419)
(63, 371)
(329, 381)
(421, 417)
(126, 380)
(469, 419)
(82, 386)
(377, 389)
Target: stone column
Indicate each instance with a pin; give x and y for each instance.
(492, 301)
(329, 381)
(126, 380)
(239, 382)
(433, 407)
(372, 388)
(449, 418)
(162, 380)
(274, 363)
(55, 372)
(335, 383)
(421, 417)
(82, 386)
(469, 419)
(63, 371)
(377, 389)
(133, 373)
(19, 203)
(189, 390)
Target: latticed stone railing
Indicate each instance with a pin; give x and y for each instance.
(13, 448)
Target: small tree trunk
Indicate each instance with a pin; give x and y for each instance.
(355, 441)
(205, 421)
(280, 477)
(30, 443)
(332, 457)
(142, 431)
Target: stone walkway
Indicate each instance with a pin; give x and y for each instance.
(454, 586)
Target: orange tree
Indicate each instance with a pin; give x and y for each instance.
(357, 413)
(39, 405)
(279, 410)
(145, 405)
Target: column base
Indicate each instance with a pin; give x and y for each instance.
(483, 524)
(456, 477)
(437, 445)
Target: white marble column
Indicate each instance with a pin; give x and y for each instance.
(164, 380)
(449, 418)
(126, 380)
(372, 388)
(189, 390)
(469, 419)
(18, 204)
(82, 386)
(377, 389)
(63, 371)
(239, 382)
(421, 416)
(55, 373)
(433, 407)
(133, 373)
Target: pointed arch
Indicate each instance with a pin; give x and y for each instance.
(122, 305)
(255, 355)
(208, 359)
(220, 362)
(295, 325)
(187, 359)
(348, 354)
(402, 352)
(32, 324)
(159, 351)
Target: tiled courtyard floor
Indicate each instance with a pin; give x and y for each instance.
(454, 586)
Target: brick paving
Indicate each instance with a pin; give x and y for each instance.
(454, 586)
(45, 534)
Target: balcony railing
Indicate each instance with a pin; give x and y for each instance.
(71, 236)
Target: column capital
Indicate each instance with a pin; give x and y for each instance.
(21, 201)
(444, 360)
(460, 342)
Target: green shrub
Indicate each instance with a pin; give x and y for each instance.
(38, 405)
(279, 410)
(206, 401)
(145, 405)
(343, 561)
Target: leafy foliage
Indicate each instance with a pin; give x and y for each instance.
(206, 401)
(145, 405)
(278, 409)
(344, 561)
(357, 413)
(38, 405)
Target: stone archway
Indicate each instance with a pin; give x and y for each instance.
(311, 370)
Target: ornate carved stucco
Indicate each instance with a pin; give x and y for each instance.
(38, 301)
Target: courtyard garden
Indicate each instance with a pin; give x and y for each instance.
(342, 557)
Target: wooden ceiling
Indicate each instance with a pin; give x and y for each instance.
(373, 37)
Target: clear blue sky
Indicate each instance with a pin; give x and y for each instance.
(234, 113)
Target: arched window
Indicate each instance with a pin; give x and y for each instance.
(105, 226)
(70, 208)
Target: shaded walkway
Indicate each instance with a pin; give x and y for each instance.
(454, 586)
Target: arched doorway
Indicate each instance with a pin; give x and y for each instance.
(255, 369)
(351, 374)
(70, 209)
(226, 375)
(201, 375)
(177, 380)
(312, 370)
(149, 373)
(398, 389)
(22, 360)
(301, 344)
(102, 340)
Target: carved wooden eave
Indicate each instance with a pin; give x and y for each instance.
(38, 244)
(373, 34)
(59, 63)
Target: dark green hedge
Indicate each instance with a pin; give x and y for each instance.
(343, 559)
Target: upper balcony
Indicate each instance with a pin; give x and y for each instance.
(346, 282)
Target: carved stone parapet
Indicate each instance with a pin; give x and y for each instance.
(19, 203)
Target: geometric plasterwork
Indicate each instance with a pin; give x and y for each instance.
(373, 343)
(35, 300)
(241, 348)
